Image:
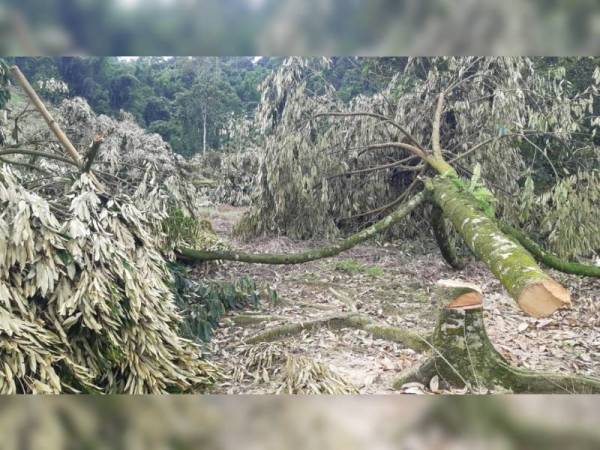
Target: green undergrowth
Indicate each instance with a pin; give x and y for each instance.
(183, 230)
(353, 267)
(203, 303)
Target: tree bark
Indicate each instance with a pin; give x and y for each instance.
(463, 356)
(60, 135)
(327, 251)
(535, 292)
(440, 232)
(548, 258)
(386, 332)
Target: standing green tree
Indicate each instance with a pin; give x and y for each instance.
(205, 106)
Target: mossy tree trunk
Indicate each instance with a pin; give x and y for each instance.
(535, 292)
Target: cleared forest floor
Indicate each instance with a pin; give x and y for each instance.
(391, 284)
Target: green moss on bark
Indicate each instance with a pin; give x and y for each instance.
(509, 262)
(462, 355)
(548, 258)
(327, 251)
(440, 232)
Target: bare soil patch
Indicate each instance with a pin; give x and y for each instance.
(392, 284)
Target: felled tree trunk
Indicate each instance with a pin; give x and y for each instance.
(536, 293)
(463, 356)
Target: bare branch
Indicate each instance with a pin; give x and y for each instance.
(40, 154)
(522, 134)
(24, 164)
(435, 132)
(411, 148)
(535, 146)
(395, 164)
(393, 203)
(380, 117)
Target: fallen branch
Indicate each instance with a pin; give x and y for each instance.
(37, 102)
(440, 232)
(24, 164)
(435, 131)
(40, 154)
(548, 258)
(327, 251)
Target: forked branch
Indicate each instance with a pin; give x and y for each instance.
(421, 151)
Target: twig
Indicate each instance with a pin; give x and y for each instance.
(24, 164)
(41, 154)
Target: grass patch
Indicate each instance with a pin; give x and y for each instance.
(353, 267)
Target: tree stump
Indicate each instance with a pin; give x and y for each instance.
(462, 354)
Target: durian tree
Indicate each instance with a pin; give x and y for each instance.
(458, 129)
(461, 134)
(449, 132)
(88, 299)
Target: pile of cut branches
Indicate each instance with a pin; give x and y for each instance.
(86, 301)
(87, 298)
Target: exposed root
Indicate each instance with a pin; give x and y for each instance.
(422, 373)
(339, 321)
(250, 319)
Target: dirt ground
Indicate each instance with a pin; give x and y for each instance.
(392, 284)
